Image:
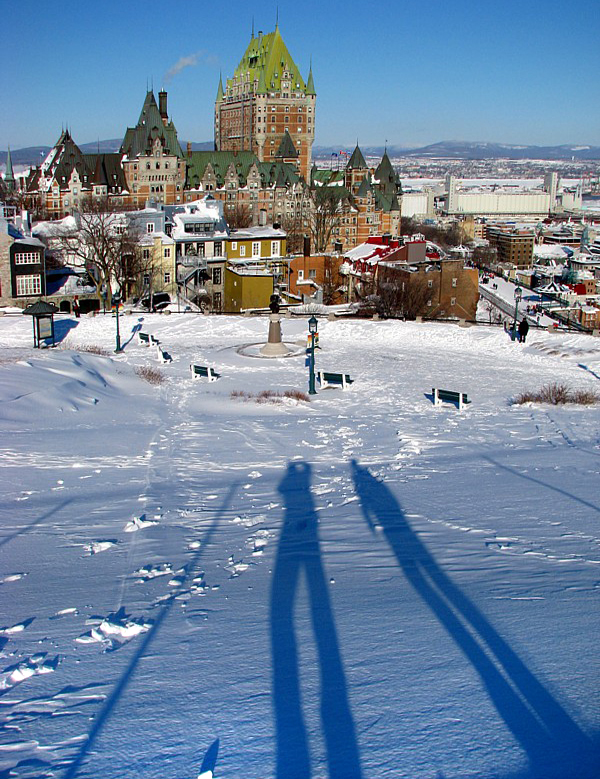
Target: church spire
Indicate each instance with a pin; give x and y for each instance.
(9, 176)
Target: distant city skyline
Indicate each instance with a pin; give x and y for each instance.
(407, 74)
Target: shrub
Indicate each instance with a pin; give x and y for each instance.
(558, 394)
(91, 348)
(149, 374)
(270, 396)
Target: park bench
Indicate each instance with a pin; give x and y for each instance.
(162, 355)
(203, 371)
(146, 339)
(326, 379)
(449, 396)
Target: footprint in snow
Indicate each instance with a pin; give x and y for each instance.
(12, 577)
(18, 628)
(114, 630)
(99, 546)
(138, 523)
(30, 666)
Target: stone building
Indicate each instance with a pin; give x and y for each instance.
(153, 162)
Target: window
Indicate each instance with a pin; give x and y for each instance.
(452, 301)
(150, 227)
(29, 285)
(454, 281)
(218, 248)
(167, 278)
(216, 276)
(312, 273)
(217, 301)
(242, 251)
(146, 254)
(430, 283)
(146, 279)
(300, 275)
(233, 246)
(167, 252)
(27, 258)
(274, 248)
(256, 249)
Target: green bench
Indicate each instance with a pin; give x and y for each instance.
(146, 339)
(326, 379)
(204, 372)
(449, 396)
(162, 355)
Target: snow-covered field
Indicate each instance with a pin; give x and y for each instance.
(364, 585)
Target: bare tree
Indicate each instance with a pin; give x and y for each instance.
(402, 294)
(332, 285)
(326, 213)
(106, 244)
(238, 214)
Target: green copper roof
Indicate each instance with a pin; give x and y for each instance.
(265, 61)
(357, 161)
(387, 176)
(286, 147)
(220, 90)
(365, 186)
(310, 84)
(271, 173)
(139, 139)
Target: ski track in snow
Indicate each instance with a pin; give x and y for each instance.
(160, 484)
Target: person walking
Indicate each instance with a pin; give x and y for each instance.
(523, 330)
(76, 308)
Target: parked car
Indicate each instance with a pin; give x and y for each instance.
(156, 302)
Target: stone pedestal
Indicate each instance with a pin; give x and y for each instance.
(274, 346)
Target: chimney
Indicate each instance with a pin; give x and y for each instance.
(162, 106)
(306, 246)
(189, 148)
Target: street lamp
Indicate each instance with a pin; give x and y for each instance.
(518, 296)
(116, 297)
(313, 324)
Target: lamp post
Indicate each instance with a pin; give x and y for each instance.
(116, 297)
(312, 335)
(518, 295)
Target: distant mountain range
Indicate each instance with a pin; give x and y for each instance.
(456, 150)
(467, 150)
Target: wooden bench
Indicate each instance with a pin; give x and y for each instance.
(203, 371)
(326, 379)
(162, 355)
(146, 339)
(449, 396)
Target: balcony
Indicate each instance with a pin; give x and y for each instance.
(192, 261)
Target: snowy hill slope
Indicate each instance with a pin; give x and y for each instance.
(364, 585)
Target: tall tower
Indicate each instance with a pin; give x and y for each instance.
(9, 176)
(264, 99)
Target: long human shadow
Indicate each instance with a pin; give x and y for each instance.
(544, 729)
(134, 330)
(299, 552)
(104, 714)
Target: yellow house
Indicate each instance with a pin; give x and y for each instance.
(158, 264)
(246, 288)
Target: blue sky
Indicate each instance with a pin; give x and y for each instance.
(407, 72)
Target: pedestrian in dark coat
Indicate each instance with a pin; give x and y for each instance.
(523, 330)
(76, 308)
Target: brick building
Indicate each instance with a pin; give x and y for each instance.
(265, 100)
